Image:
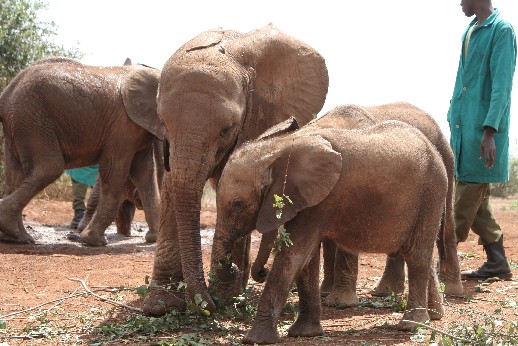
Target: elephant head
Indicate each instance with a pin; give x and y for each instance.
(302, 170)
(217, 91)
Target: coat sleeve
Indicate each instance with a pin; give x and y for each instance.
(502, 66)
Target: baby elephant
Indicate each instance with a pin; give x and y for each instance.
(380, 189)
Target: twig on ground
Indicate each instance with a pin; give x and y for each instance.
(438, 331)
(46, 303)
(85, 287)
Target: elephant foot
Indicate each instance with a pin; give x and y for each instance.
(326, 287)
(342, 298)
(89, 237)
(387, 286)
(412, 318)
(24, 238)
(123, 227)
(11, 225)
(260, 335)
(151, 236)
(125, 231)
(436, 312)
(87, 217)
(305, 328)
(453, 287)
(160, 301)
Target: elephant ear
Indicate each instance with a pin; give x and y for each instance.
(282, 128)
(287, 78)
(306, 170)
(139, 90)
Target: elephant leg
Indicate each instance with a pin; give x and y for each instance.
(328, 252)
(91, 205)
(346, 276)
(449, 267)
(308, 321)
(124, 217)
(111, 189)
(144, 175)
(23, 187)
(259, 270)
(435, 300)
(241, 257)
(288, 262)
(419, 262)
(13, 179)
(393, 278)
(167, 267)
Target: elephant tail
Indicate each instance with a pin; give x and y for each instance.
(441, 239)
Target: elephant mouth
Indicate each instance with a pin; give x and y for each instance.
(227, 272)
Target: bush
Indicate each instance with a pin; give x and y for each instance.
(511, 187)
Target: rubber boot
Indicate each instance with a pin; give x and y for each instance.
(78, 215)
(495, 267)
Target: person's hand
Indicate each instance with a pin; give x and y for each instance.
(488, 147)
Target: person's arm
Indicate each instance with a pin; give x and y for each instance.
(502, 66)
(488, 147)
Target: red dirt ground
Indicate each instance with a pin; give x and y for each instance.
(34, 274)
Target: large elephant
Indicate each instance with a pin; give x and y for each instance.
(59, 114)
(340, 268)
(344, 185)
(217, 91)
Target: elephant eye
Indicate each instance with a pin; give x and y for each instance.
(224, 133)
(238, 205)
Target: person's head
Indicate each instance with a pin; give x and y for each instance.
(472, 7)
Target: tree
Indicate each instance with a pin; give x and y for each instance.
(24, 38)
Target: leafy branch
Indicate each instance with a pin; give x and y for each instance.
(283, 237)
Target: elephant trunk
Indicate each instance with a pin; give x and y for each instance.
(189, 177)
(259, 270)
(226, 277)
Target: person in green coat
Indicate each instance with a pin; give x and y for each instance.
(82, 178)
(479, 119)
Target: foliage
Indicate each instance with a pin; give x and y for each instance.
(509, 188)
(283, 238)
(479, 329)
(24, 38)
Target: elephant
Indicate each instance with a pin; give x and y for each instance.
(340, 268)
(59, 114)
(341, 184)
(217, 91)
(129, 201)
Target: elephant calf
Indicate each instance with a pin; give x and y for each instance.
(346, 185)
(60, 114)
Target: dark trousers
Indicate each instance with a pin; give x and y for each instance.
(473, 210)
(78, 195)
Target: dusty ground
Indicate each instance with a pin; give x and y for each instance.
(31, 275)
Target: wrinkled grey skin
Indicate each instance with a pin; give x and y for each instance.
(216, 92)
(129, 200)
(340, 273)
(343, 185)
(59, 114)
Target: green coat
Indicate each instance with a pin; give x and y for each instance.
(482, 97)
(84, 175)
